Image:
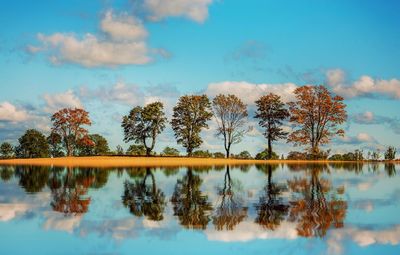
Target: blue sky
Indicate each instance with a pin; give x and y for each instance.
(109, 56)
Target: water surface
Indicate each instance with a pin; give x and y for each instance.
(263, 209)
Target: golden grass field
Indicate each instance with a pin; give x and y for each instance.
(115, 161)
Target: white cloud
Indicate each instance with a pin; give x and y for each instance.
(358, 139)
(123, 43)
(365, 86)
(250, 92)
(196, 10)
(10, 113)
(10, 211)
(55, 102)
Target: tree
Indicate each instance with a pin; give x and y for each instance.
(98, 147)
(218, 155)
(244, 155)
(230, 113)
(266, 154)
(32, 144)
(376, 155)
(390, 153)
(68, 123)
(316, 113)
(55, 142)
(190, 116)
(202, 154)
(6, 150)
(169, 151)
(119, 150)
(136, 150)
(271, 112)
(143, 124)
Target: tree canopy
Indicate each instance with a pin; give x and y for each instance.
(32, 144)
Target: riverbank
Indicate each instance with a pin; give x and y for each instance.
(108, 161)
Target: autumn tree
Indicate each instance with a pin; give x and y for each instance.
(6, 150)
(230, 113)
(316, 114)
(68, 123)
(271, 112)
(32, 144)
(144, 124)
(190, 116)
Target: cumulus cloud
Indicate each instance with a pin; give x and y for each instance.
(196, 10)
(369, 118)
(10, 113)
(250, 92)
(365, 86)
(55, 102)
(358, 139)
(123, 42)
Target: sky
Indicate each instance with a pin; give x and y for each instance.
(109, 56)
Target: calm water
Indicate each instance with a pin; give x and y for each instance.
(279, 209)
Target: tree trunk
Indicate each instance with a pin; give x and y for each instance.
(148, 152)
(269, 148)
(227, 152)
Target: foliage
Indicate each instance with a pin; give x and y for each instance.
(390, 153)
(99, 146)
(32, 144)
(271, 112)
(230, 113)
(336, 157)
(68, 124)
(317, 114)
(119, 150)
(202, 154)
(376, 155)
(243, 155)
(218, 155)
(169, 151)
(143, 124)
(190, 116)
(55, 143)
(136, 150)
(296, 155)
(265, 154)
(6, 150)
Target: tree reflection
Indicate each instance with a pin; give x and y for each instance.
(271, 209)
(144, 199)
(189, 204)
(230, 210)
(32, 178)
(6, 173)
(315, 205)
(390, 169)
(68, 189)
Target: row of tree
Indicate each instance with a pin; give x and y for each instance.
(315, 117)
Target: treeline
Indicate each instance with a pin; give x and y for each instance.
(315, 117)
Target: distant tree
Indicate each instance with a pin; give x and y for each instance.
(68, 123)
(32, 144)
(6, 150)
(296, 155)
(230, 113)
(169, 151)
(358, 155)
(97, 148)
(218, 155)
(144, 124)
(136, 150)
(271, 112)
(119, 150)
(265, 154)
(390, 153)
(317, 114)
(55, 143)
(350, 156)
(244, 155)
(336, 157)
(202, 154)
(376, 155)
(190, 116)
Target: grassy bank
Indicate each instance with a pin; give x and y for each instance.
(144, 161)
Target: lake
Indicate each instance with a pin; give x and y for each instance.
(250, 209)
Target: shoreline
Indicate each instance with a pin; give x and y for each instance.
(124, 161)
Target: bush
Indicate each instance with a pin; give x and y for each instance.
(169, 151)
(337, 157)
(218, 155)
(296, 155)
(243, 155)
(136, 150)
(264, 155)
(202, 154)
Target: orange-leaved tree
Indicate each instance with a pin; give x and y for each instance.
(317, 115)
(68, 124)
